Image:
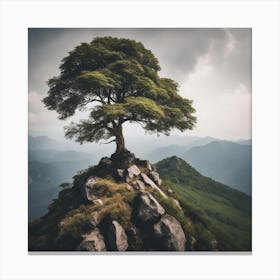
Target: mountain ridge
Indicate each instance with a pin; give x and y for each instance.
(131, 204)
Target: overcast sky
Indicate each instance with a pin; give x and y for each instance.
(212, 67)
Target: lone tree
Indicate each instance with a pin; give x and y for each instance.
(117, 81)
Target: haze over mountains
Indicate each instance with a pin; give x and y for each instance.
(53, 162)
(224, 161)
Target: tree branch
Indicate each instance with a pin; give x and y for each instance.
(114, 140)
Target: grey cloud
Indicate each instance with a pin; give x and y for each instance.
(228, 53)
(178, 50)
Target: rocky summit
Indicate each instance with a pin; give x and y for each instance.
(117, 205)
(127, 204)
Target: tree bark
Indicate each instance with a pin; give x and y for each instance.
(119, 139)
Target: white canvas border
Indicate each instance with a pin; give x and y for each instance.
(17, 16)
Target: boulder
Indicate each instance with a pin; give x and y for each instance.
(169, 234)
(132, 171)
(88, 188)
(155, 177)
(150, 183)
(139, 185)
(148, 210)
(117, 239)
(146, 164)
(92, 242)
(120, 173)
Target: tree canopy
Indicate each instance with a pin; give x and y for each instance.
(118, 81)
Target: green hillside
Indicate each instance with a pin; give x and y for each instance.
(218, 212)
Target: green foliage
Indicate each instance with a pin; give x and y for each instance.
(119, 212)
(75, 225)
(107, 188)
(118, 81)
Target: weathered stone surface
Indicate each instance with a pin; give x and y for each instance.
(150, 183)
(145, 164)
(117, 239)
(149, 210)
(120, 173)
(92, 242)
(155, 177)
(94, 218)
(177, 203)
(132, 171)
(88, 188)
(149, 166)
(91, 181)
(129, 187)
(170, 234)
(98, 202)
(139, 185)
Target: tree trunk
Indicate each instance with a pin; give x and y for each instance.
(119, 140)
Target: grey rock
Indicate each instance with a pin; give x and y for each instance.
(155, 177)
(98, 202)
(170, 191)
(132, 171)
(170, 234)
(93, 241)
(88, 188)
(149, 210)
(120, 173)
(117, 239)
(146, 164)
(150, 183)
(129, 187)
(139, 185)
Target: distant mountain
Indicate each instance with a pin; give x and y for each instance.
(51, 155)
(227, 162)
(245, 142)
(176, 149)
(43, 142)
(44, 180)
(216, 209)
(42, 148)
